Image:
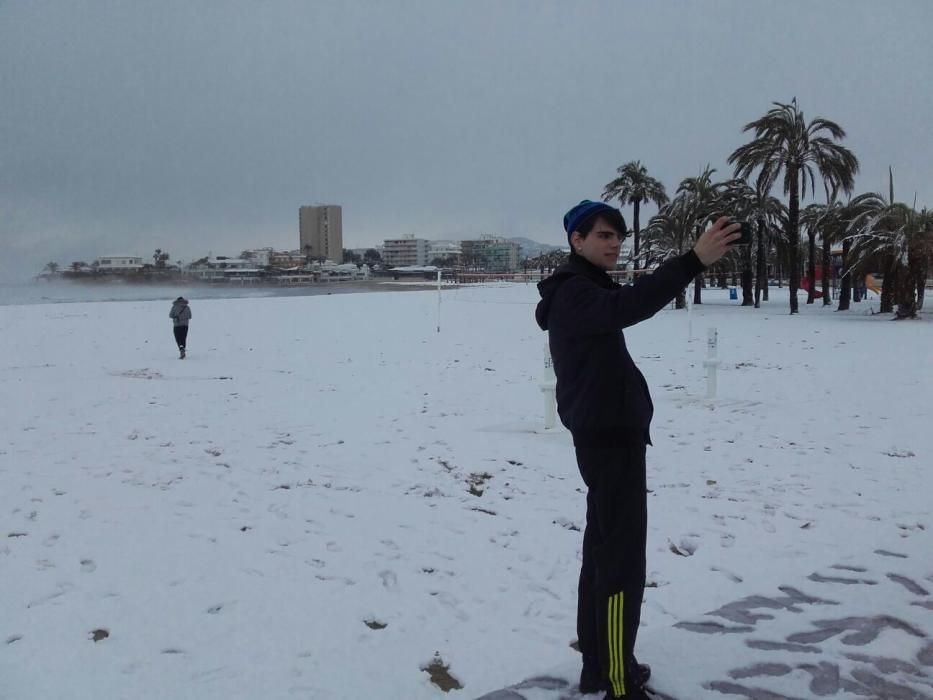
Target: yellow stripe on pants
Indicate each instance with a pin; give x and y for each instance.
(614, 639)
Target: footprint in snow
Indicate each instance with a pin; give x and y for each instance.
(389, 580)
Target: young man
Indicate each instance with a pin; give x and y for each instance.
(603, 399)
(180, 315)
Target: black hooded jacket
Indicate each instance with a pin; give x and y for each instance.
(602, 397)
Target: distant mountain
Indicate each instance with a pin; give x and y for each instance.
(532, 249)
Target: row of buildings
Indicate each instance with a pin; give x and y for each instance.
(320, 232)
(320, 238)
(489, 253)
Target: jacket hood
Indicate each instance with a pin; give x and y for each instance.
(180, 301)
(547, 288)
(576, 265)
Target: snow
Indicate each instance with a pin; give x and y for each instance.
(233, 520)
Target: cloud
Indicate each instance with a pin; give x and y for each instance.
(204, 126)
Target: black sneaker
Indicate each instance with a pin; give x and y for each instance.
(641, 675)
(591, 680)
(633, 694)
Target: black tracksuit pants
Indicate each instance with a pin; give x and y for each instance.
(612, 577)
(181, 335)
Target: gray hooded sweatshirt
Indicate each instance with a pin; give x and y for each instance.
(180, 313)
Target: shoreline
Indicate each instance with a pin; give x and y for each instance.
(67, 292)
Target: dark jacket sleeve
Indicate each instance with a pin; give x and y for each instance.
(589, 308)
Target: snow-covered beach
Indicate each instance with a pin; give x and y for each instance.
(63, 291)
(328, 495)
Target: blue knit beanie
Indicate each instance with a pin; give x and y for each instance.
(583, 211)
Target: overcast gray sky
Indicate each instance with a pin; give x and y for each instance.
(202, 126)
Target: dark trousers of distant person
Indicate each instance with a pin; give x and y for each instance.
(181, 336)
(612, 576)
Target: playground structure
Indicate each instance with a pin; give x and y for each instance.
(870, 283)
(817, 277)
(805, 285)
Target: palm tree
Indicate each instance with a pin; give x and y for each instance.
(829, 231)
(742, 201)
(866, 254)
(737, 201)
(925, 261)
(844, 225)
(670, 232)
(786, 144)
(812, 219)
(634, 186)
(371, 256)
(704, 197)
(829, 222)
(897, 238)
(770, 214)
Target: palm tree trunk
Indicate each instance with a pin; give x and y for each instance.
(747, 298)
(698, 280)
(761, 282)
(637, 231)
(793, 238)
(920, 277)
(904, 294)
(907, 287)
(886, 304)
(764, 265)
(827, 270)
(811, 265)
(845, 282)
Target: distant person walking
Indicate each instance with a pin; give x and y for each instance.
(180, 315)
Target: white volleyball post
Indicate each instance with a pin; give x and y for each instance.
(438, 301)
(549, 389)
(690, 311)
(711, 362)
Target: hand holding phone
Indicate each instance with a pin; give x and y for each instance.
(746, 233)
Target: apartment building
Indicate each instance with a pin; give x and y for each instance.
(405, 251)
(490, 253)
(118, 263)
(320, 231)
(293, 258)
(445, 250)
(260, 257)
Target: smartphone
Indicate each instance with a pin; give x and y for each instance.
(745, 231)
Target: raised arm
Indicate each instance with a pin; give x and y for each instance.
(589, 308)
